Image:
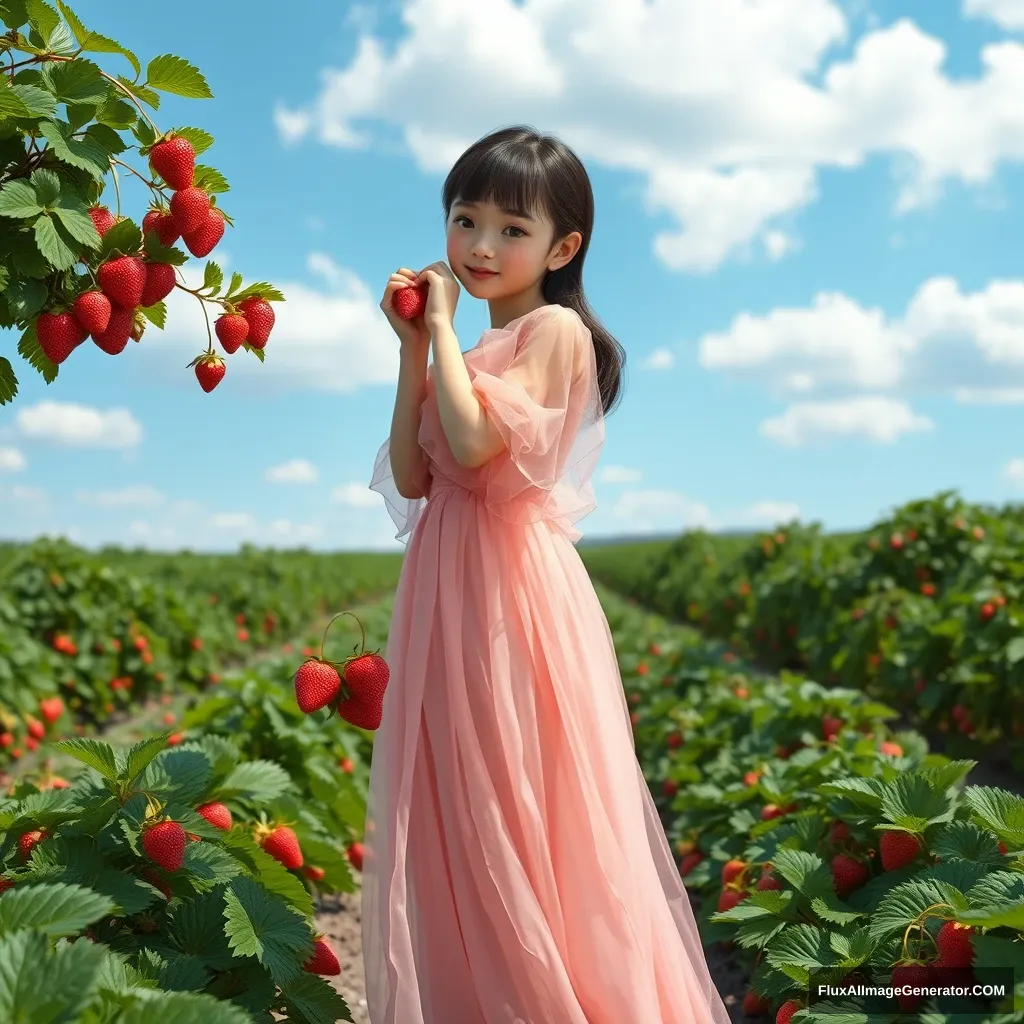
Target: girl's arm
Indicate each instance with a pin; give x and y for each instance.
(409, 465)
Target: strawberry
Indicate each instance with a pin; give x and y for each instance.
(786, 1011)
(770, 811)
(283, 845)
(36, 729)
(914, 976)
(52, 708)
(750, 779)
(674, 741)
(367, 677)
(123, 280)
(729, 899)
(732, 870)
(316, 685)
(174, 160)
(954, 942)
(190, 207)
(163, 224)
(361, 714)
(890, 749)
(157, 882)
(5, 884)
(7, 738)
(839, 831)
(159, 283)
(323, 960)
(355, 853)
(102, 218)
(210, 372)
(346, 765)
(689, 862)
(216, 814)
(59, 335)
(830, 727)
(30, 840)
(768, 881)
(232, 329)
(314, 873)
(848, 874)
(260, 315)
(92, 311)
(174, 739)
(32, 743)
(410, 302)
(755, 1005)
(118, 331)
(203, 239)
(898, 849)
(164, 844)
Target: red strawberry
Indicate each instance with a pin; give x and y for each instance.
(839, 831)
(729, 899)
(768, 881)
(175, 738)
(689, 862)
(323, 960)
(355, 853)
(102, 218)
(367, 677)
(210, 372)
(216, 814)
(36, 729)
(830, 727)
(30, 840)
(163, 224)
(203, 239)
(410, 302)
(59, 335)
(954, 942)
(755, 1005)
(155, 880)
(174, 160)
(159, 283)
(52, 708)
(361, 714)
(732, 870)
(316, 685)
(786, 1011)
(123, 280)
(848, 874)
(670, 787)
(232, 329)
(890, 749)
(260, 315)
(32, 743)
(164, 844)
(283, 845)
(92, 311)
(7, 738)
(118, 331)
(315, 873)
(770, 811)
(913, 976)
(190, 207)
(5, 884)
(898, 849)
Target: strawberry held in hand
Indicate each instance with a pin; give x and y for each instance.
(410, 302)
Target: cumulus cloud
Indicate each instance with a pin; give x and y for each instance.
(725, 109)
(876, 418)
(297, 471)
(1007, 13)
(11, 460)
(79, 426)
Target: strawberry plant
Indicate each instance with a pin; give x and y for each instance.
(70, 267)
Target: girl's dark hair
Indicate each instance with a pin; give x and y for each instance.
(518, 168)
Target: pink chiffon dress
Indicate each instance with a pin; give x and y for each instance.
(515, 868)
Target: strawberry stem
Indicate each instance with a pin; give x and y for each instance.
(328, 626)
(117, 186)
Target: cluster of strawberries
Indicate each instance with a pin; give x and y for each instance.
(360, 702)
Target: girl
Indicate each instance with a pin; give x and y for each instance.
(516, 871)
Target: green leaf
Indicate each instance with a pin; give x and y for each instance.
(175, 75)
(260, 781)
(132, 762)
(46, 185)
(53, 909)
(258, 352)
(213, 277)
(156, 314)
(799, 950)
(42, 17)
(260, 926)
(85, 152)
(264, 290)
(74, 218)
(313, 999)
(141, 92)
(201, 140)
(995, 917)
(41, 985)
(273, 875)
(902, 906)
(52, 244)
(18, 199)
(124, 237)
(1015, 650)
(8, 381)
(26, 297)
(94, 753)
(1001, 811)
(911, 802)
(93, 42)
(177, 773)
(11, 104)
(61, 41)
(30, 350)
(13, 13)
(76, 81)
(39, 102)
(105, 136)
(116, 113)
(236, 283)
(210, 180)
(963, 840)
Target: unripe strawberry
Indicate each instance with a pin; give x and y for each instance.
(232, 329)
(175, 161)
(890, 749)
(260, 315)
(189, 207)
(159, 283)
(203, 239)
(314, 873)
(163, 224)
(92, 311)
(59, 335)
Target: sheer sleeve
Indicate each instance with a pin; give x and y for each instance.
(403, 511)
(538, 383)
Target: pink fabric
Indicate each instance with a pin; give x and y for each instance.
(516, 871)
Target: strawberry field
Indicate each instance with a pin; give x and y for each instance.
(188, 841)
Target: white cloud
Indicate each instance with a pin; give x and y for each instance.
(1007, 13)
(233, 521)
(777, 244)
(649, 511)
(726, 109)
(659, 359)
(126, 497)
(989, 396)
(618, 475)
(767, 513)
(297, 471)
(356, 495)
(79, 426)
(11, 460)
(1014, 471)
(870, 416)
(23, 493)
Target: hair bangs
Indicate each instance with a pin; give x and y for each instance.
(510, 176)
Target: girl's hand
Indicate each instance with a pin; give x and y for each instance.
(442, 293)
(411, 333)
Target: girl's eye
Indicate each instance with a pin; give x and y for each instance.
(511, 227)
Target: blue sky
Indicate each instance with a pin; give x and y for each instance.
(807, 239)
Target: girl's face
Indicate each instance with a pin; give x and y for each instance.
(517, 247)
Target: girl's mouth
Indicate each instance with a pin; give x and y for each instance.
(481, 275)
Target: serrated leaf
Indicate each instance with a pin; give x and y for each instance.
(46, 185)
(53, 909)
(210, 180)
(41, 985)
(26, 297)
(116, 113)
(177, 774)
(18, 199)
(260, 926)
(272, 294)
(147, 96)
(1001, 811)
(93, 42)
(258, 352)
(11, 104)
(866, 793)
(133, 762)
(182, 1008)
(910, 802)
(37, 101)
(832, 911)
(77, 81)
(124, 237)
(30, 350)
(903, 905)
(236, 283)
(213, 276)
(273, 875)
(42, 17)
(997, 917)
(209, 865)
(61, 41)
(94, 753)
(310, 998)
(201, 140)
(52, 244)
(8, 381)
(13, 13)
(84, 152)
(260, 781)
(964, 840)
(156, 314)
(74, 218)
(176, 75)
(799, 950)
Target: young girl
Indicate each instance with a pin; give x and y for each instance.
(516, 871)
